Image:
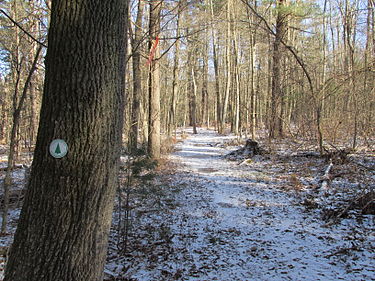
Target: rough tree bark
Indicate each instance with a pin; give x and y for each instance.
(64, 223)
(154, 82)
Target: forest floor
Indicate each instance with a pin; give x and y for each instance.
(208, 218)
(201, 216)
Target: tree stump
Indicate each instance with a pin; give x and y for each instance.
(250, 149)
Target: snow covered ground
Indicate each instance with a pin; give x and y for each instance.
(207, 218)
(240, 222)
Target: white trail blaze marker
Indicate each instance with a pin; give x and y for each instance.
(58, 148)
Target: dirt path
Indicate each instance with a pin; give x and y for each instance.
(212, 219)
(234, 224)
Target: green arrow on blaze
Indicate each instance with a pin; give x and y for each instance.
(58, 150)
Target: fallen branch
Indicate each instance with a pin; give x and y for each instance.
(327, 178)
(372, 168)
(20, 27)
(246, 161)
(365, 202)
(339, 155)
(343, 251)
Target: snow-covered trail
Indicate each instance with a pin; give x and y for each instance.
(233, 224)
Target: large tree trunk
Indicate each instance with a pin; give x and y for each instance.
(154, 82)
(64, 223)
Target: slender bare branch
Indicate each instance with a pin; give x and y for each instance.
(290, 48)
(20, 27)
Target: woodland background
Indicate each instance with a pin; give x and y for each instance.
(295, 72)
(295, 68)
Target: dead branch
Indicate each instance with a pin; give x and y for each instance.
(343, 251)
(365, 202)
(372, 168)
(20, 27)
(246, 161)
(327, 177)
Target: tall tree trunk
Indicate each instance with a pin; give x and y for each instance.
(12, 150)
(369, 80)
(252, 86)
(3, 117)
(172, 110)
(66, 214)
(192, 93)
(320, 100)
(33, 125)
(32, 104)
(236, 70)
(216, 70)
(154, 82)
(204, 106)
(144, 117)
(277, 93)
(237, 87)
(228, 68)
(268, 100)
(137, 79)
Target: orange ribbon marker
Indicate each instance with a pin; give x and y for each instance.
(153, 50)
